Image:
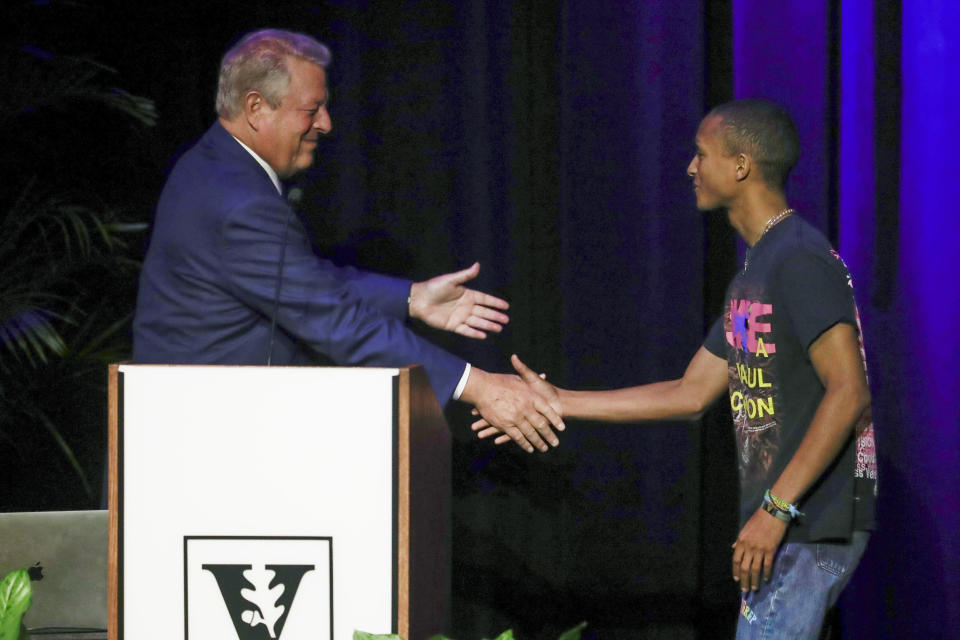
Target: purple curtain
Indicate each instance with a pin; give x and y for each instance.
(832, 64)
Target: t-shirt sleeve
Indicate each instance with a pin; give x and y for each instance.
(814, 290)
(715, 341)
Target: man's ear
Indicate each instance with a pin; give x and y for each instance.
(744, 166)
(253, 108)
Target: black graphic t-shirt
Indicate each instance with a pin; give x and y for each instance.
(795, 288)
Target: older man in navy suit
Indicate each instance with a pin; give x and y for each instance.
(230, 276)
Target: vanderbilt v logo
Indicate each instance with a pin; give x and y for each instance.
(258, 599)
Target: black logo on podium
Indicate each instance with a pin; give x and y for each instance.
(258, 588)
(258, 600)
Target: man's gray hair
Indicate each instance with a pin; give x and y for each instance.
(258, 63)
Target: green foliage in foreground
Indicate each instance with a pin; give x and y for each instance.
(16, 594)
(569, 634)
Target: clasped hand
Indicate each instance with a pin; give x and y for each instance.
(534, 428)
(444, 303)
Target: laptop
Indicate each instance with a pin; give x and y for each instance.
(68, 553)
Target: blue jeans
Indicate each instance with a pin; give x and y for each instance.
(806, 581)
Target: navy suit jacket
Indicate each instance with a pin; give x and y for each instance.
(209, 284)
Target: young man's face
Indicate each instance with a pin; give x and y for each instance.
(714, 173)
(290, 132)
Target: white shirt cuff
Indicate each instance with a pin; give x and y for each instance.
(463, 382)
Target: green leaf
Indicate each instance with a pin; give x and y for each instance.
(363, 635)
(439, 636)
(66, 450)
(506, 635)
(15, 598)
(574, 633)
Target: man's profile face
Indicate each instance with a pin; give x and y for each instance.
(289, 133)
(713, 172)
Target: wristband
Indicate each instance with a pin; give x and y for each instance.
(772, 509)
(781, 504)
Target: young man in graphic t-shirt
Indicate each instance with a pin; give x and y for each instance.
(788, 350)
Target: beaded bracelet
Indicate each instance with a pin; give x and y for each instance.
(781, 504)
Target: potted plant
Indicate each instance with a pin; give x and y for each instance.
(16, 595)
(67, 272)
(569, 634)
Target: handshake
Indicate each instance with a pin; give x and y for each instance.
(524, 408)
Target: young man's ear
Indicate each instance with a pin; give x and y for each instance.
(744, 166)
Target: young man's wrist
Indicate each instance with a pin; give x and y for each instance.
(779, 508)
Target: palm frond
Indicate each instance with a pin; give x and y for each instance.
(65, 449)
(98, 347)
(59, 242)
(39, 81)
(46, 242)
(138, 107)
(28, 337)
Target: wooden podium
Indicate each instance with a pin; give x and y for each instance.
(253, 503)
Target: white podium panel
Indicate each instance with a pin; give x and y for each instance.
(256, 503)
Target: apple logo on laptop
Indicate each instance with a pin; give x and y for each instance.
(35, 572)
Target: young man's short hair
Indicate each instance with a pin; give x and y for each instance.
(764, 131)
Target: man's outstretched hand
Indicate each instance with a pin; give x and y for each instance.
(444, 303)
(511, 408)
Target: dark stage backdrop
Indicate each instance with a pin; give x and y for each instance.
(549, 141)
